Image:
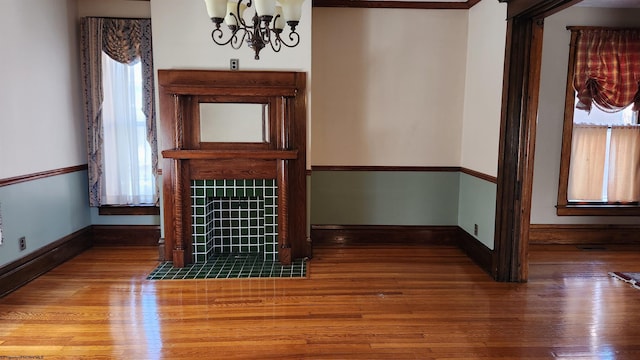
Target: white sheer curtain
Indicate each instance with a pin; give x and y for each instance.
(624, 164)
(127, 154)
(586, 171)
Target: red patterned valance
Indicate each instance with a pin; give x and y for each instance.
(607, 70)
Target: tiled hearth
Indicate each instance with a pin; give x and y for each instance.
(234, 216)
(231, 266)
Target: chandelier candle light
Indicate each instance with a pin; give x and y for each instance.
(266, 25)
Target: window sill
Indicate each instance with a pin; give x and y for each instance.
(598, 210)
(129, 210)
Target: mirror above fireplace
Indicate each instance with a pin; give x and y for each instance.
(234, 122)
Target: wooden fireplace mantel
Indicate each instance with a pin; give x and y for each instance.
(187, 158)
(230, 154)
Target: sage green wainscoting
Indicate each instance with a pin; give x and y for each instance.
(43, 211)
(477, 206)
(384, 197)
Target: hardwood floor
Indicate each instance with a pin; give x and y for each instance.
(364, 302)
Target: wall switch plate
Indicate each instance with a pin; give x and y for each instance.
(234, 64)
(22, 242)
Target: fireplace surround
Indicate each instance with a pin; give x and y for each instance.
(234, 216)
(233, 196)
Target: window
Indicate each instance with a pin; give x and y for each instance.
(127, 166)
(600, 160)
(118, 93)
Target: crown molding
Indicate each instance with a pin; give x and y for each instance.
(463, 5)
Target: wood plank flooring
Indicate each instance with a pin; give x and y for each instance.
(360, 302)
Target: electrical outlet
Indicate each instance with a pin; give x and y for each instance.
(475, 229)
(234, 64)
(22, 243)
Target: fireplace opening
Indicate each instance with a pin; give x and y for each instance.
(235, 224)
(236, 216)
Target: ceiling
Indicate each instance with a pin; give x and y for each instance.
(611, 3)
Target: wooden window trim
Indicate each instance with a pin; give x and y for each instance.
(129, 210)
(597, 210)
(564, 207)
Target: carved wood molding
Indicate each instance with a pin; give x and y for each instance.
(128, 210)
(41, 175)
(345, 235)
(536, 8)
(230, 154)
(584, 234)
(453, 5)
(479, 175)
(384, 168)
(477, 251)
(464, 170)
(125, 235)
(21, 271)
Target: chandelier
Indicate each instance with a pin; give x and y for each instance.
(265, 27)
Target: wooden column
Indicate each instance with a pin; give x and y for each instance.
(284, 247)
(517, 134)
(178, 246)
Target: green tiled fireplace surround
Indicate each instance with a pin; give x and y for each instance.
(234, 216)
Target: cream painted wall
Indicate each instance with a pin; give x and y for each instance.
(388, 86)
(555, 55)
(182, 40)
(40, 87)
(483, 86)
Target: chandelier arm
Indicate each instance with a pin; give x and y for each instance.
(265, 34)
(294, 37)
(233, 40)
(237, 42)
(276, 43)
(239, 18)
(217, 34)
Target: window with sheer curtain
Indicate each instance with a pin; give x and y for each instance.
(117, 74)
(127, 153)
(600, 162)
